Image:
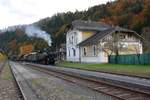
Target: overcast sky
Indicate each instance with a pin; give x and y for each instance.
(13, 12)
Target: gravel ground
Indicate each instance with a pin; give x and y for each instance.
(47, 87)
(8, 89)
(141, 83)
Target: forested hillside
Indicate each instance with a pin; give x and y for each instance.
(132, 14)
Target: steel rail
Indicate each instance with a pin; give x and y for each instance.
(108, 86)
(17, 83)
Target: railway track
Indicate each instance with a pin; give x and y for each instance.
(116, 91)
(17, 84)
(6, 81)
(24, 85)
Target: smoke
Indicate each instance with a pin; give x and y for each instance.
(34, 31)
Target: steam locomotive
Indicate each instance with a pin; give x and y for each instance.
(40, 57)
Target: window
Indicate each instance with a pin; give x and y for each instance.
(72, 39)
(74, 52)
(84, 51)
(75, 40)
(69, 40)
(122, 36)
(94, 50)
(69, 53)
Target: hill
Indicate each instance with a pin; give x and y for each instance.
(131, 14)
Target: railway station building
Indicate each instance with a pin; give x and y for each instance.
(93, 42)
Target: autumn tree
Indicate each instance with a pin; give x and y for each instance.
(113, 45)
(146, 41)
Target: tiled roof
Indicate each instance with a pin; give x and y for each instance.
(99, 35)
(96, 37)
(90, 25)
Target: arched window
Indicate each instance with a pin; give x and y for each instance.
(94, 50)
(74, 52)
(72, 40)
(69, 41)
(69, 52)
(84, 51)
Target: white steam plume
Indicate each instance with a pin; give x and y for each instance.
(34, 31)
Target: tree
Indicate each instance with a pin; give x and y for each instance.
(132, 14)
(146, 41)
(137, 22)
(112, 45)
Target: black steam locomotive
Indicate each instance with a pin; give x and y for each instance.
(40, 57)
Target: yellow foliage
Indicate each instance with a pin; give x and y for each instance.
(2, 57)
(25, 49)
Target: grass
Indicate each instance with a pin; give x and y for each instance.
(6, 73)
(140, 70)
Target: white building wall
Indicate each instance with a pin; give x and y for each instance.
(90, 60)
(141, 47)
(70, 46)
(100, 58)
(137, 50)
(103, 58)
(97, 59)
